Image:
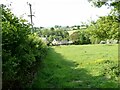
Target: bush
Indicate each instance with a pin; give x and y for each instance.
(94, 40)
(80, 37)
(111, 70)
(84, 38)
(21, 51)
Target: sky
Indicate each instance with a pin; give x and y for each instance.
(49, 13)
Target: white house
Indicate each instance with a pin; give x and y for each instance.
(63, 42)
(70, 42)
(112, 41)
(55, 42)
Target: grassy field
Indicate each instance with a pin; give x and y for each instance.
(80, 66)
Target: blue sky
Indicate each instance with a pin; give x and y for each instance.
(57, 12)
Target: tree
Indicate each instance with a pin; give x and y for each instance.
(52, 28)
(107, 27)
(109, 3)
(84, 37)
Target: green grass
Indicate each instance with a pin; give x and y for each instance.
(80, 66)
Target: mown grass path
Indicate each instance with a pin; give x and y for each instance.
(79, 66)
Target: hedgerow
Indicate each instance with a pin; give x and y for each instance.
(21, 51)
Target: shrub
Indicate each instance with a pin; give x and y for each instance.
(111, 70)
(94, 40)
(21, 51)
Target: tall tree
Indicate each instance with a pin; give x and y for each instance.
(112, 21)
(105, 28)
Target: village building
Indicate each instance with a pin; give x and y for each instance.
(63, 42)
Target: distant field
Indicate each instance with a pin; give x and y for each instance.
(80, 66)
(72, 31)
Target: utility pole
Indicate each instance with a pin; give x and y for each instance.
(31, 15)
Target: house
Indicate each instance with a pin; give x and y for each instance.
(63, 42)
(55, 42)
(112, 41)
(70, 42)
(102, 42)
(109, 41)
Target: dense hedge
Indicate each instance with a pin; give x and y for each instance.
(21, 51)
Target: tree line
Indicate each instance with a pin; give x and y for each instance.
(105, 28)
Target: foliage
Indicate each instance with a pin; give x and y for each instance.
(84, 37)
(111, 70)
(21, 51)
(80, 37)
(110, 3)
(115, 4)
(105, 28)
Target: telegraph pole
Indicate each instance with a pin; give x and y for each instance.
(31, 15)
